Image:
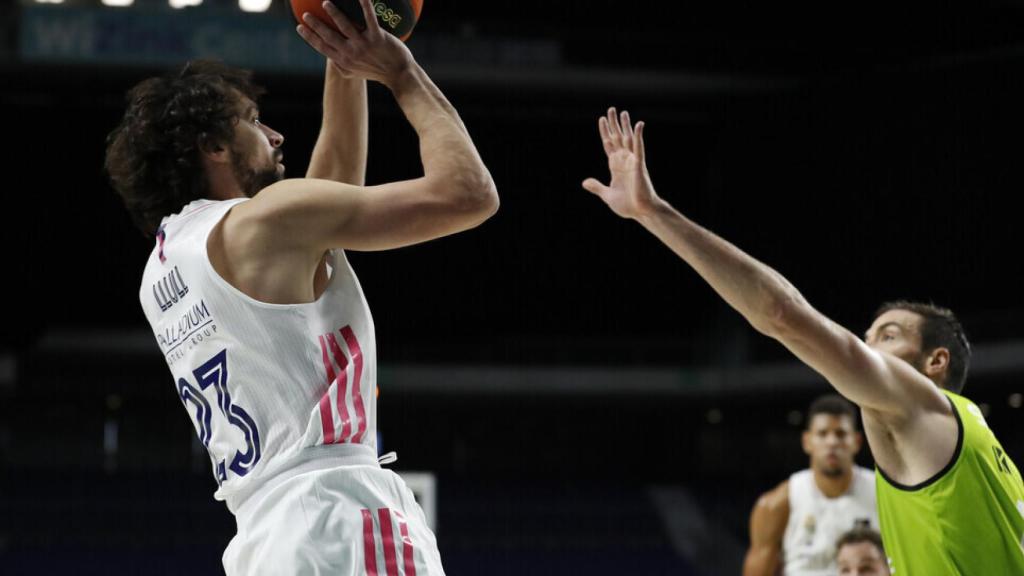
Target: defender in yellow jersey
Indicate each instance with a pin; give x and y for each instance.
(965, 520)
(950, 499)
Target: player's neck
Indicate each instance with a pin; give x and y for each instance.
(833, 486)
(222, 183)
(226, 191)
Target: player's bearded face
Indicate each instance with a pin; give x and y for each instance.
(253, 179)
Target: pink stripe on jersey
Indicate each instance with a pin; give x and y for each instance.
(369, 544)
(161, 235)
(387, 533)
(339, 357)
(326, 418)
(357, 358)
(403, 528)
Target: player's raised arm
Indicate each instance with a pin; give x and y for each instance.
(874, 380)
(340, 151)
(455, 193)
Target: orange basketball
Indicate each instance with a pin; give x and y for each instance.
(396, 16)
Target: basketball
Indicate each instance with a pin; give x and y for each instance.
(396, 16)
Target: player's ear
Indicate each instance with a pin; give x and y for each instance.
(858, 441)
(936, 363)
(805, 442)
(211, 149)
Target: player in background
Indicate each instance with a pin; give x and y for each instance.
(950, 500)
(794, 526)
(859, 552)
(252, 301)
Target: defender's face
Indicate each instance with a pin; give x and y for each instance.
(831, 441)
(897, 332)
(861, 559)
(256, 153)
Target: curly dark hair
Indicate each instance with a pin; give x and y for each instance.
(153, 156)
(940, 328)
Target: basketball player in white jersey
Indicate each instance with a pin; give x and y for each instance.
(255, 308)
(795, 526)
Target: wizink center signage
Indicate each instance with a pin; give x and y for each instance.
(162, 37)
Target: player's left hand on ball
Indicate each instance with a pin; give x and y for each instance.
(630, 191)
(371, 53)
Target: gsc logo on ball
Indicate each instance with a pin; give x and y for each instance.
(387, 15)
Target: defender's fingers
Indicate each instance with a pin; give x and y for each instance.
(613, 125)
(593, 186)
(602, 127)
(606, 139)
(627, 130)
(638, 141)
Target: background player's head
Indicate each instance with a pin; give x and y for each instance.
(190, 135)
(832, 437)
(859, 552)
(929, 337)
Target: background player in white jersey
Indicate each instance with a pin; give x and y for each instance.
(794, 527)
(860, 552)
(256, 310)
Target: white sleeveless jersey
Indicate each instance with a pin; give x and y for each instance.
(816, 522)
(272, 389)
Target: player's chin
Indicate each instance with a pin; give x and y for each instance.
(832, 471)
(263, 180)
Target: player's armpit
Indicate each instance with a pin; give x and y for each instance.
(320, 215)
(768, 522)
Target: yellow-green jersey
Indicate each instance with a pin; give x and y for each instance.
(966, 520)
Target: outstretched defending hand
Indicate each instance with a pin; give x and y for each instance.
(630, 192)
(371, 53)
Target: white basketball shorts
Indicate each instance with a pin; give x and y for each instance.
(350, 520)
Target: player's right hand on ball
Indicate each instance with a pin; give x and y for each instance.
(371, 53)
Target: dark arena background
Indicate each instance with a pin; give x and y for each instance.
(584, 402)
